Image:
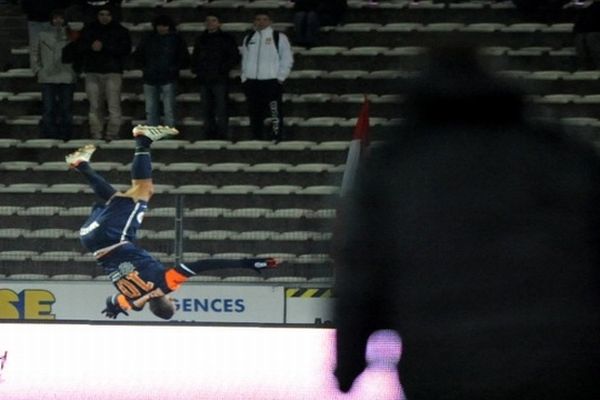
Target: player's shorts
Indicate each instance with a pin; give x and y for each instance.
(116, 221)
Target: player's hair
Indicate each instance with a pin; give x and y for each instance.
(162, 307)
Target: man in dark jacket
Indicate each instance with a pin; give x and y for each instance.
(104, 45)
(475, 235)
(215, 54)
(161, 54)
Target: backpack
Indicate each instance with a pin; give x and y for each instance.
(250, 35)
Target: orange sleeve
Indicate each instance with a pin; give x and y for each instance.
(174, 279)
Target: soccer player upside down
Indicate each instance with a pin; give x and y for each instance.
(110, 233)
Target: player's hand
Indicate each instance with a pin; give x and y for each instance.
(113, 309)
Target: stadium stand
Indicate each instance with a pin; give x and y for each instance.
(248, 197)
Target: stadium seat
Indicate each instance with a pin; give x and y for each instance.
(327, 213)
(310, 168)
(268, 167)
(209, 145)
(207, 212)
(313, 259)
(10, 210)
(42, 211)
(212, 235)
(288, 213)
(525, 27)
(16, 255)
(22, 188)
(282, 190)
(292, 145)
(483, 27)
(335, 145)
(70, 188)
(369, 51)
(182, 167)
(400, 27)
(193, 189)
(442, 27)
(57, 256)
(249, 145)
(358, 27)
(246, 213)
(163, 212)
(253, 235)
(225, 167)
(235, 189)
(18, 165)
(321, 190)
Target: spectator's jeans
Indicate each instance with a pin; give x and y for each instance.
(306, 27)
(101, 88)
(587, 46)
(264, 98)
(214, 109)
(152, 96)
(57, 115)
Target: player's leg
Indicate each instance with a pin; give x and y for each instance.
(142, 187)
(80, 161)
(190, 269)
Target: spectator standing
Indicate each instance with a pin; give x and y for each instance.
(38, 15)
(215, 54)
(331, 12)
(306, 22)
(161, 54)
(104, 45)
(587, 35)
(57, 79)
(267, 60)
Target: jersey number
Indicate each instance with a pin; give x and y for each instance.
(133, 286)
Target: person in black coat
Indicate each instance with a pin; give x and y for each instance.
(306, 22)
(587, 35)
(215, 54)
(475, 235)
(104, 45)
(161, 54)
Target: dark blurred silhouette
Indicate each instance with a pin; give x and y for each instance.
(474, 234)
(586, 31)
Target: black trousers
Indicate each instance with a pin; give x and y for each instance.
(264, 98)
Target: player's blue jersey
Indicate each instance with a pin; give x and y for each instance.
(116, 221)
(126, 259)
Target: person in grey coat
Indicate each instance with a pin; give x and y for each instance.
(57, 79)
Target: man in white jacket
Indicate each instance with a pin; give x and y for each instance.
(267, 60)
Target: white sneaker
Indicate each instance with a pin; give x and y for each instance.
(82, 154)
(154, 133)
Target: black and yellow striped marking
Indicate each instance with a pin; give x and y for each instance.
(308, 293)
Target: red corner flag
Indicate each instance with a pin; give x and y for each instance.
(360, 141)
